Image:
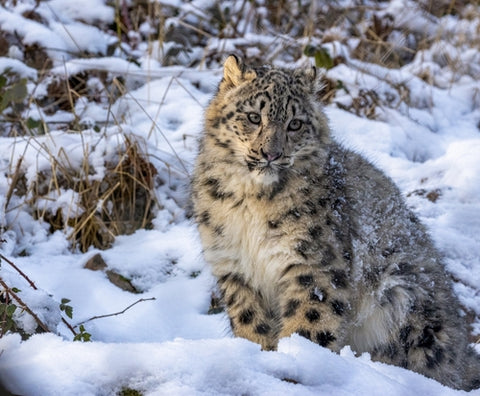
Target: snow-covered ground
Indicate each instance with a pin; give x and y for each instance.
(171, 344)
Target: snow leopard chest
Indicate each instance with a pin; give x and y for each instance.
(249, 244)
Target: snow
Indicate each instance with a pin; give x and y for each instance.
(203, 367)
(88, 10)
(18, 66)
(171, 344)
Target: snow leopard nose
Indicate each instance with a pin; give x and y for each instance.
(270, 156)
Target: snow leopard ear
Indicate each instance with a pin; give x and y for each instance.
(311, 73)
(235, 72)
(307, 76)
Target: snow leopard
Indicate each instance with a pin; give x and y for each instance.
(305, 236)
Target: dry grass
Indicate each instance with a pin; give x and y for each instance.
(122, 201)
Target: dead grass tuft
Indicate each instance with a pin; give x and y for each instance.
(377, 44)
(440, 8)
(121, 202)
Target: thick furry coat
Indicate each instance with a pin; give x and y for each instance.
(305, 236)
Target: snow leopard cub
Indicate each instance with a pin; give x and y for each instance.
(307, 237)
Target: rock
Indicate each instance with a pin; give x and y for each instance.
(95, 263)
(120, 281)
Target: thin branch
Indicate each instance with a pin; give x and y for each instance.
(116, 313)
(15, 178)
(160, 131)
(69, 326)
(9, 290)
(24, 306)
(19, 271)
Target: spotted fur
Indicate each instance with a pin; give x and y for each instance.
(307, 237)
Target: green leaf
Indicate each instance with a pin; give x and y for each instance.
(66, 308)
(8, 325)
(83, 335)
(341, 85)
(16, 93)
(11, 309)
(321, 55)
(129, 392)
(3, 81)
(33, 124)
(16, 290)
(194, 274)
(69, 311)
(309, 50)
(323, 59)
(86, 337)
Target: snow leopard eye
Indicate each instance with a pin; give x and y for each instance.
(254, 118)
(295, 125)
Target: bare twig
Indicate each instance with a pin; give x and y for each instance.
(160, 131)
(19, 271)
(195, 29)
(15, 178)
(116, 313)
(70, 327)
(24, 306)
(9, 290)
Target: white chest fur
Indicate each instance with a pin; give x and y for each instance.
(247, 246)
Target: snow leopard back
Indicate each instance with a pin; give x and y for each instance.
(307, 237)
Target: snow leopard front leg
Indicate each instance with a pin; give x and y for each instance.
(314, 304)
(250, 315)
